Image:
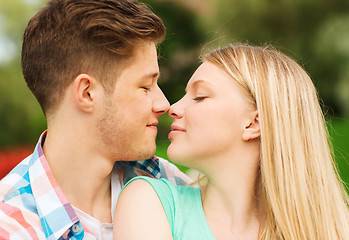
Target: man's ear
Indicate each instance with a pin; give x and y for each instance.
(252, 128)
(84, 92)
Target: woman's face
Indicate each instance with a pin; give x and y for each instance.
(210, 119)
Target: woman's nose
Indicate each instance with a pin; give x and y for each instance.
(176, 110)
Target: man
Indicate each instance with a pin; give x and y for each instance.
(92, 65)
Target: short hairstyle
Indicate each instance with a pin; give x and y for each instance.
(69, 37)
(301, 192)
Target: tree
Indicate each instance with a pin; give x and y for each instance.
(21, 118)
(314, 32)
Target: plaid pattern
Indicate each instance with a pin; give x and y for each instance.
(33, 206)
(150, 166)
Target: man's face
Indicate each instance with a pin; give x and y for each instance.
(128, 121)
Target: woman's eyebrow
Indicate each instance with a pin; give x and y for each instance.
(196, 83)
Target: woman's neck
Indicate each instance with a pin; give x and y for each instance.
(231, 201)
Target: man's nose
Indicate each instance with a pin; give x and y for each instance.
(160, 102)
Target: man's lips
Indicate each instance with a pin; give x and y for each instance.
(153, 125)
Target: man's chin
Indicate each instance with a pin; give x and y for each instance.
(143, 155)
(139, 151)
(150, 153)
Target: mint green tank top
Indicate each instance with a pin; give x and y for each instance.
(183, 208)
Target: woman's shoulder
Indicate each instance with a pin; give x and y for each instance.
(161, 186)
(138, 209)
(181, 204)
(171, 196)
(174, 198)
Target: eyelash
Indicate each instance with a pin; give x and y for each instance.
(147, 89)
(199, 99)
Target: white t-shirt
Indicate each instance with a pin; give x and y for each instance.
(103, 231)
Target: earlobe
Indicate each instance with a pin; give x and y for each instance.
(252, 128)
(84, 86)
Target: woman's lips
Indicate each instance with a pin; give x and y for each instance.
(175, 130)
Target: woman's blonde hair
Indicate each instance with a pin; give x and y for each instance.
(303, 197)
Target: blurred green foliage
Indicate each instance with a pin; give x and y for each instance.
(339, 133)
(21, 119)
(314, 32)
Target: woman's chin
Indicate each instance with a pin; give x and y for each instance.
(177, 155)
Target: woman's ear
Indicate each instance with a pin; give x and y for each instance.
(84, 92)
(252, 128)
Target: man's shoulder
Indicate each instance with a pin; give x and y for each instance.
(18, 214)
(155, 167)
(17, 222)
(16, 182)
(15, 190)
(171, 172)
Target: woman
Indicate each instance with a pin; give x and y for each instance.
(251, 122)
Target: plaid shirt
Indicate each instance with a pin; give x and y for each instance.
(33, 206)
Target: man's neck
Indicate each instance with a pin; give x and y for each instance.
(82, 173)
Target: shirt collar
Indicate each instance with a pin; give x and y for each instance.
(146, 167)
(56, 214)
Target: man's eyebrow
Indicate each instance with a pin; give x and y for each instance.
(196, 83)
(151, 75)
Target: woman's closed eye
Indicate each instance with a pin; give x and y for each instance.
(199, 98)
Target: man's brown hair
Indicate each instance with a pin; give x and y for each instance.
(69, 37)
